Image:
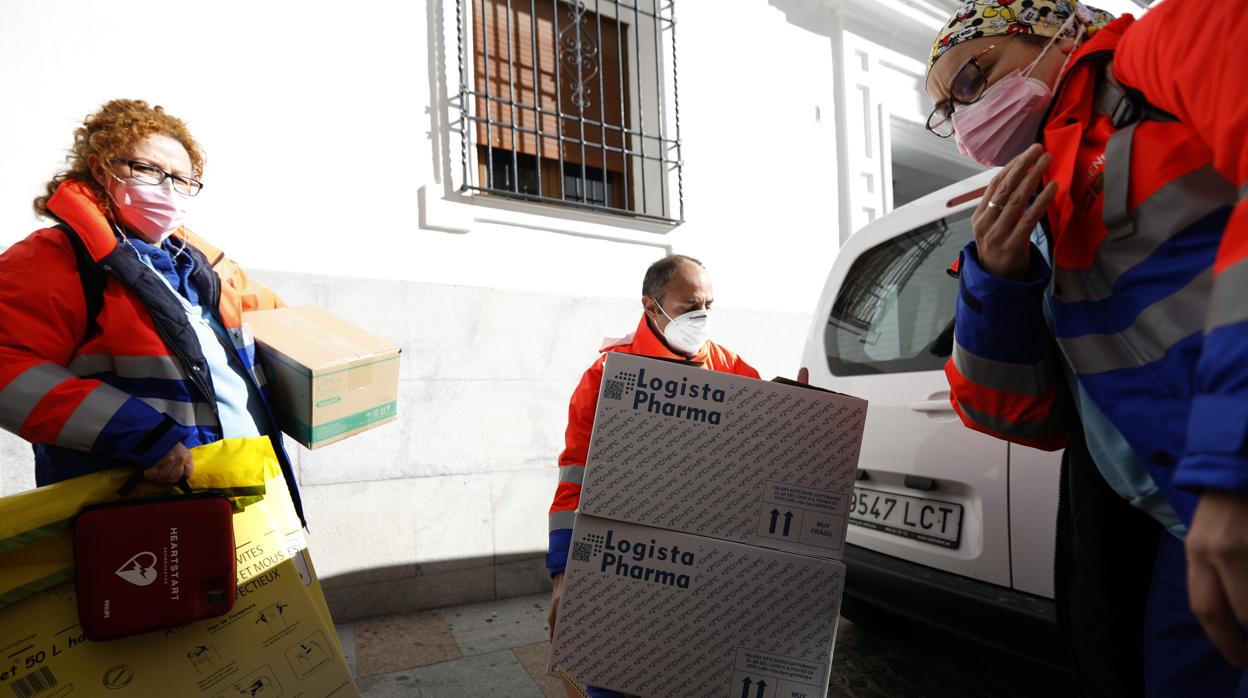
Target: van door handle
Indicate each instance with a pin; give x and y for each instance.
(937, 402)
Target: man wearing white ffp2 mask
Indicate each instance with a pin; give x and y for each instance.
(676, 299)
(685, 324)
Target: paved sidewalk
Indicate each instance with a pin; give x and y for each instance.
(490, 649)
(500, 648)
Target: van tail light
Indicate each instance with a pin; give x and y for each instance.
(969, 196)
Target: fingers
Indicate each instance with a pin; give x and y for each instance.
(1021, 182)
(555, 592)
(989, 192)
(165, 469)
(182, 464)
(803, 375)
(1235, 586)
(175, 465)
(1209, 604)
(1031, 179)
(1023, 222)
(1233, 571)
(1217, 572)
(1002, 186)
(1004, 221)
(172, 472)
(1035, 212)
(1018, 168)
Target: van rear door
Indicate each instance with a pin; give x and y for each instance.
(931, 491)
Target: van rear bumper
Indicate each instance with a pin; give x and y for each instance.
(1009, 620)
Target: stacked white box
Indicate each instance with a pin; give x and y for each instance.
(751, 447)
(721, 617)
(746, 483)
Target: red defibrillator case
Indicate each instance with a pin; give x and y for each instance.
(150, 564)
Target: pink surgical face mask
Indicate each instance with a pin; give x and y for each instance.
(154, 211)
(1005, 121)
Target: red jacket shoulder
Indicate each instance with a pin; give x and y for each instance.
(45, 251)
(726, 360)
(587, 388)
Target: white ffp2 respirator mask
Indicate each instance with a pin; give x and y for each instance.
(687, 332)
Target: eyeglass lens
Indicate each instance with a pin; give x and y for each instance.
(150, 174)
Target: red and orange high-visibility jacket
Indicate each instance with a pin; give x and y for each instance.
(581, 413)
(124, 390)
(1147, 293)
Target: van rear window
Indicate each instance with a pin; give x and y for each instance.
(894, 312)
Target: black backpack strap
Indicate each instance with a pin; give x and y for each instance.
(1127, 108)
(93, 278)
(1126, 105)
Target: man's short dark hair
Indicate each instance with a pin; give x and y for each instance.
(661, 272)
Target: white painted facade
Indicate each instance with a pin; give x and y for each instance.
(334, 166)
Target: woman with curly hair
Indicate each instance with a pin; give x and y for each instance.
(122, 339)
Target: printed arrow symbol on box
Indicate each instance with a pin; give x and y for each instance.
(762, 686)
(745, 687)
(788, 519)
(775, 516)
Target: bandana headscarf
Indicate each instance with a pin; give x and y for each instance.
(977, 18)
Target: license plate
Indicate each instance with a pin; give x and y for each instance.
(928, 520)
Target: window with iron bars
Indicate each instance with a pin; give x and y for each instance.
(572, 103)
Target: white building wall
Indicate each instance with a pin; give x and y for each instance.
(322, 128)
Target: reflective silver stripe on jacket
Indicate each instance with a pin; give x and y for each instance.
(1168, 212)
(257, 373)
(562, 519)
(163, 367)
(188, 414)
(238, 337)
(19, 398)
(90, 417)
(1025, 379)
(138, 367)
(244, 343)
(1229, 304)
(1037, 431)
(1117, 183)
(572, 473)
(1157, 328)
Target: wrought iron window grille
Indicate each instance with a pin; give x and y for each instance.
(574, 103)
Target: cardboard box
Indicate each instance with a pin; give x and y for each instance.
(714, 454)
(329, 378)
(658, 613)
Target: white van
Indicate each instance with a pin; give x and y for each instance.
(948, 525)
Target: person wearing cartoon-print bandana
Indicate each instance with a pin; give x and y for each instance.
(1118, 329)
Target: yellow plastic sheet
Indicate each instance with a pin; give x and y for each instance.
(278, 640)
(36, 550)
(237, 467)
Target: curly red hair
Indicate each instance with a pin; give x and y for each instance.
(108, 133)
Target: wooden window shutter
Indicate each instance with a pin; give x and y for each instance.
(605, 105)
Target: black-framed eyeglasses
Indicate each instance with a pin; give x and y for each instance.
(148, 173)
(967, 87)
